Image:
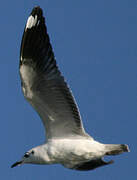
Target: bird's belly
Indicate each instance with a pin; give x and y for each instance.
(67, 151)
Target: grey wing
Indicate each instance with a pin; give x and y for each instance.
(42, 83)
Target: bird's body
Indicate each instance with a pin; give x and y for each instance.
(71, 152)
(46, 90)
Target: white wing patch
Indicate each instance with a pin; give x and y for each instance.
(31, 22)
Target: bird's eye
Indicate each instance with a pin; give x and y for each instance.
(32, 152)
(26, 155)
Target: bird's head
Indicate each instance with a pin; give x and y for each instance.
(28, 157)
(33, 156)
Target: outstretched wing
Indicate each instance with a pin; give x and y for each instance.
(42, 83)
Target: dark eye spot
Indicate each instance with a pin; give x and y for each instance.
(32, 152)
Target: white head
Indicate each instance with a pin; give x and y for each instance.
(36, 155)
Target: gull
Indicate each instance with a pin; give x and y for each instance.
(45, 89)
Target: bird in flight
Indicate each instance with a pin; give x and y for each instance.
(45, 89)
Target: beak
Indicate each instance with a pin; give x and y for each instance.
(16, 164)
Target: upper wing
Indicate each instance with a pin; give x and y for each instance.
(42, 83)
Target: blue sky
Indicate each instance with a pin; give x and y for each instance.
(95, 46)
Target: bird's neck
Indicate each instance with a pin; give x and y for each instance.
(43, 154)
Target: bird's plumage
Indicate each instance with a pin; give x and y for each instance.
(90, 165)
(46, 90)
(42, 83)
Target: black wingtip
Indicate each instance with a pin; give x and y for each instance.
(35, 18)
(35, 45)
(37, 11)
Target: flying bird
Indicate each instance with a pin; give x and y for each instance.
(45, 89)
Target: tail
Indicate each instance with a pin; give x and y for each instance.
(115, 149)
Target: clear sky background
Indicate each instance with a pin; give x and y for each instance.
(95, 44)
